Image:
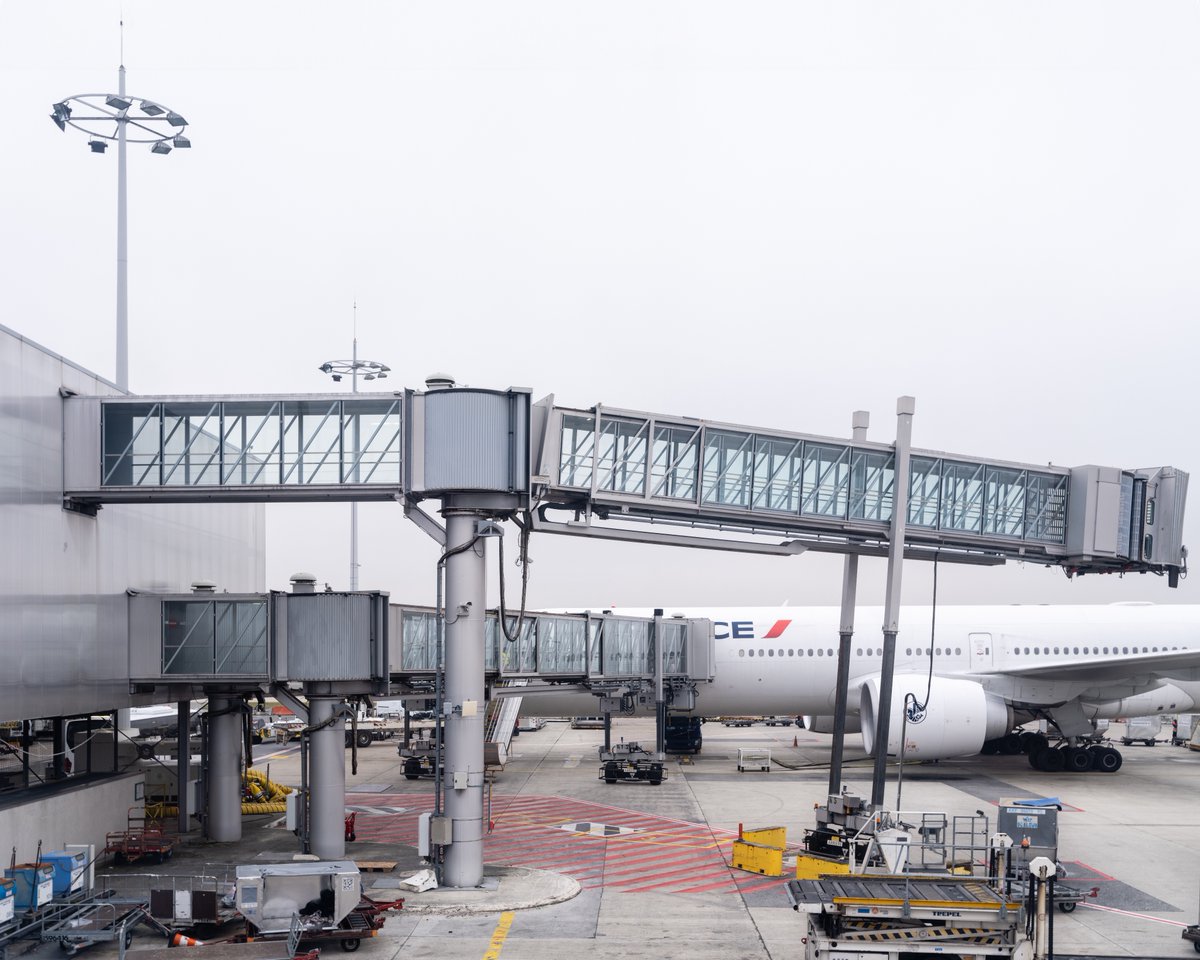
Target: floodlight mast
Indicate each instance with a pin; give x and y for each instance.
(92, 113)
(371, 370)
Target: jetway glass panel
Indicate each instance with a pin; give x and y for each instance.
(962, 497)
(872, 485)
(577, 451)
(627, 648)
(778, 474)
(418, 644)
(215, 637)
(674, 641)
(622, 456)
(1004, 507)
(674, 465)
(251, 441)
(826, 480)
(518, 655)
(1046, 508)
(562, 645)
(301, 442)
(728, 468)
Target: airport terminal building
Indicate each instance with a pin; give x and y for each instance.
(66, 573)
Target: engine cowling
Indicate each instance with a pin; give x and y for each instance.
(825, 724)
(959, 716)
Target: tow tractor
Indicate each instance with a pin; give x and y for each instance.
(627, 760)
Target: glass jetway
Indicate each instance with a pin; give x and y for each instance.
(564, 647)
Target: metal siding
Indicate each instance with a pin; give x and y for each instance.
(330, 636)
(63, 576)
(467, 444)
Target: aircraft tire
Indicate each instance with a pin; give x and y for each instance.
(1051, 760)
(1078, 759)
(1107, 760)
(1034, 742)
(990, 748)
(1010, 744)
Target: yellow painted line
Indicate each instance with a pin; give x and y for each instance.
(499, 935)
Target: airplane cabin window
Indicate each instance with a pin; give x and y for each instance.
(751, 653)
(770, 653)
(1037, 649)
(831, 653)
(1124, 649)
(820, 652)
(908, 652)
(958, 651)
(791, 653)
(1056, 651)
(858, 652)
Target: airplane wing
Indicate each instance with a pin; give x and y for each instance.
(1175, 665)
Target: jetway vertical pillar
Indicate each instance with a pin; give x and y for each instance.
(224, 769)
(462, 772)
(905, 408)
(183, 761)
(861, 420)
(660, 703)
(327, 778)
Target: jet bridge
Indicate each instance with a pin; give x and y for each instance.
(617, 473)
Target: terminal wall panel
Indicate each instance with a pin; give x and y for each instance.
(81, 815)
(63, 575)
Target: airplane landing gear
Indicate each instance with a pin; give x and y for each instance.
(1075, 759)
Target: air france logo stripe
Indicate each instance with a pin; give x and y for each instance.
(777, 629)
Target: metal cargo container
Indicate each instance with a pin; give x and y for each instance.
(269, 895)
(34, 883)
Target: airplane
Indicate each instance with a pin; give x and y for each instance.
(986, 671)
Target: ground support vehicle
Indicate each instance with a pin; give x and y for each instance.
(143, 837)
(418, 758)
(892, 917)
(361, 923)
(628, 761)
(779, 721)
(738, 721)
(1191, 933)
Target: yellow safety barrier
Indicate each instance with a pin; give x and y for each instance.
(760, 850)
(810, 867)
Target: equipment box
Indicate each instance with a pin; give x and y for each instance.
(34, 884)
(8, 901)
(269, 894)
(753, 759)
(70, 869)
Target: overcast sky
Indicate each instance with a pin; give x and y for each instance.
(771, 214)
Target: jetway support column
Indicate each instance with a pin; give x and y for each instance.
(905, 408)
(183, 762)
(660, 702)
(861, 420)
(327, 778)
(224, 769)
(462, 772)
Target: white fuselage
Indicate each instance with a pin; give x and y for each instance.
(784, 660)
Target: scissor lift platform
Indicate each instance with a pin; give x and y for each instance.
(887, 916)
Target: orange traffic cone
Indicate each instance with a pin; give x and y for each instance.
(795, 741)
(179, 940)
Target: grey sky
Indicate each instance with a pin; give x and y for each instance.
(769, 214)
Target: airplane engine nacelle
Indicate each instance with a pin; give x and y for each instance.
(958, 718)
(825, 724)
